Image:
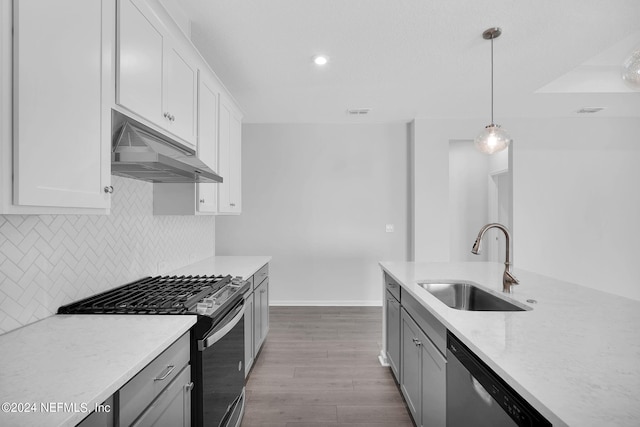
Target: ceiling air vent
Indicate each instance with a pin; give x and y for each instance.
(589, 110)
(358, 111)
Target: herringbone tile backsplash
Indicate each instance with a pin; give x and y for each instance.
(50, 260)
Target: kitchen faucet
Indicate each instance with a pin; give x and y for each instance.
(508, 279)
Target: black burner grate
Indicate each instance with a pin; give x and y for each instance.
(151, 295)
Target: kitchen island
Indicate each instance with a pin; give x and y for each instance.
(575, 356)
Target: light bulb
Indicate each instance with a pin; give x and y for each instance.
(320, 60)
(492, 139)
(631, 71)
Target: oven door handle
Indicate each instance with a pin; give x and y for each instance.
(224, 328)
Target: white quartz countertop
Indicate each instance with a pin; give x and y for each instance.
(575, 356)
(77, 360)
(244, 266)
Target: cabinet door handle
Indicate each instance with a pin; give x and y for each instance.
(232, 204)
(201, 200)
(166, 373)
(172, 118)
(416, 342)
(167, 115)
(188, 387)
(108, 189)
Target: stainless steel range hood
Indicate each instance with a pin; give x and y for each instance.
(139, 152)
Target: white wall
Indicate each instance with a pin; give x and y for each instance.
(317, 199)
(429, 167)
(577, 201)
(468, 198)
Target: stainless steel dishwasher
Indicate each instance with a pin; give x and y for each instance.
(477, 396)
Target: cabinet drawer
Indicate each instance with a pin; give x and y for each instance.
(392, 286)
(173, 406)
(435, 330)
(138, 393)
(261, 275)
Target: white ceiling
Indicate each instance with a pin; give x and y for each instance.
(416, 58)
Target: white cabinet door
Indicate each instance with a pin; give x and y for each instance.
(62, 69)
(208, 95)
(156, 79)
(230, 143)
(140, 62)
(180, 87)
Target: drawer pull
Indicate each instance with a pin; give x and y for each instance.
(165, 373)
(188, 387)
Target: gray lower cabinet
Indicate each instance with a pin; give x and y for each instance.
(393, 333)
(160, 394)
(172, 408)
(261, 314)
(422, 375)
(256, 316)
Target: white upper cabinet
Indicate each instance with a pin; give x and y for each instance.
(62, 90)
(180, 87)
(208, 96)
(139, 63)
(229, 163)
(156, 77)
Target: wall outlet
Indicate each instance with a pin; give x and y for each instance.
(390, 228)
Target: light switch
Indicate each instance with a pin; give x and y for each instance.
(389, 228)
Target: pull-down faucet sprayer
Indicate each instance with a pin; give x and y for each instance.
(508, 279)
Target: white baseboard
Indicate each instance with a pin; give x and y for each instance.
(358, 303)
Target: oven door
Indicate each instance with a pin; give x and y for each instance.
(220, 360)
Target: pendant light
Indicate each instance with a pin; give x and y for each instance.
(631, 70)
(493, 138)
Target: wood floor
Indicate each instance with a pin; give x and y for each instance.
(319, 368)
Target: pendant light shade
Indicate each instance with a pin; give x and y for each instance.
(493, 138)
(631, 70)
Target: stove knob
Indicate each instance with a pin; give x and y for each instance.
(201, 308)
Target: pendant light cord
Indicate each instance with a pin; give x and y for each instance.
(491, 81)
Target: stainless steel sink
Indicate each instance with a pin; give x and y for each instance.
(470, 297)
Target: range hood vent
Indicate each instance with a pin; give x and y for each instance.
(139, 152)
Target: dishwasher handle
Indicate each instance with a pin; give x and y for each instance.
(228, 323)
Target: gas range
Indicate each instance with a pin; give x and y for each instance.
(209, 297)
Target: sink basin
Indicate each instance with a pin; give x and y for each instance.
(470, 297)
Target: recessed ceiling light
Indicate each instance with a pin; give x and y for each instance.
(320, 60)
